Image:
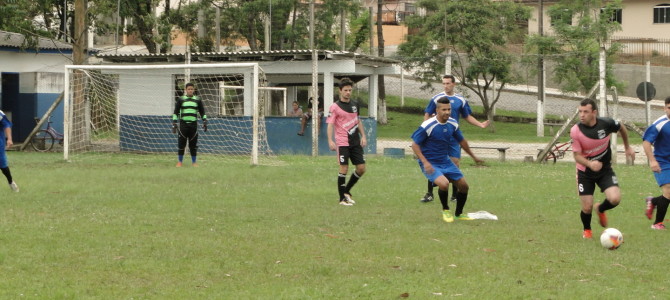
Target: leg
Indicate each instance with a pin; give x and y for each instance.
(457, 162)
(193, 146)
(303, 123)
(661, 203)
(358, 159)
(462, 196)
(181, 146)
(586, 212)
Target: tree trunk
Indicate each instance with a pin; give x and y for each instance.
(381, 108)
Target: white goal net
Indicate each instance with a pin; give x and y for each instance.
(128, 109)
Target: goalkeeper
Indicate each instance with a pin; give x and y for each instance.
(186, 111)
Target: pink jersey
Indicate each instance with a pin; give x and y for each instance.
(594, 142)
(344, 117)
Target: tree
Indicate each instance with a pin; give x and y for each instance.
(575, 47)
(477, 31)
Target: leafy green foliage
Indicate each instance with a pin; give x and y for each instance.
(476, 31)
(581, 28)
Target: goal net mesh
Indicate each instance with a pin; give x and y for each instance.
(128, 109)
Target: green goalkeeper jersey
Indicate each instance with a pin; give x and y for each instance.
(187, 109)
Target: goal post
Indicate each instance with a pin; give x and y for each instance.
(128, 109)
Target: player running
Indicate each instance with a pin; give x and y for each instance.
(591, 150)
(459, 108)
(431, 142)
(658, 134)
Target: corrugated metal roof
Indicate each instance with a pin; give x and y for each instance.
(238, 56)
(17, 40)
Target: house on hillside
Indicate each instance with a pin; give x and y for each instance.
(642, 22)
(32, 79)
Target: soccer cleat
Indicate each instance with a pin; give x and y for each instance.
(446, 216)
(587, 234)
(345, 203)
(602, 217)
(427, 198)
(347, 197)
(453, 198)
(178, 165)
(658, 226)
(14, 186)
(649, 212)
(195, 165)
(464, 218)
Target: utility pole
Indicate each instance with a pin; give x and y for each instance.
(540, 73)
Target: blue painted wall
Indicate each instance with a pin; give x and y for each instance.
(30, 106)
(282, 135)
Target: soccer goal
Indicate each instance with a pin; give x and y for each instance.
(128, 109)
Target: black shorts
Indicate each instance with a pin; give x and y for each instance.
(353, 153)
(586, 181)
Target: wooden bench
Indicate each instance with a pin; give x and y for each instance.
(501, 151)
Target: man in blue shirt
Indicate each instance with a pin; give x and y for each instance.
(658, 135)
(6, 142)
(430, 145)
(459, 108)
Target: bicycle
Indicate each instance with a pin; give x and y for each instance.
(44, 139)
(558, 151)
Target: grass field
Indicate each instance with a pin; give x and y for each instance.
(119, 227)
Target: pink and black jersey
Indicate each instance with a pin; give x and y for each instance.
(344, 117)
(594, 142)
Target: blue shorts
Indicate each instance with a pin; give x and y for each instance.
(663, 178)
(454, 150)
(3, 155)
(449, 170)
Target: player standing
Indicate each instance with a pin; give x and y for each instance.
(186, 111)
(348, 132)
(658, 135)
(591, 150)
(430, 143)
(459, 108)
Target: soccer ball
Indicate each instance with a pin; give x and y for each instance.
(611, 238)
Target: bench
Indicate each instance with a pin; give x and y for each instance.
(501, 151)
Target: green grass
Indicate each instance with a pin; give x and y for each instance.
(118, 227)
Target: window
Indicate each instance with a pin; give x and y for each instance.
(662, 13)
(615, 15)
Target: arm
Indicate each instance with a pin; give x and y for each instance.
(474, 121)
(624, 136)
(201, 110)
(594, 165)
(8, 134)
(361, 130)
(426, 116)
(426, 165)
(331, 142)
(466, 147)
(653, 164)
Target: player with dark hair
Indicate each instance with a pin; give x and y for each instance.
(431, 142)
(6, 142)
(658, 135)
(459, 108)
(186, 111)
(346, 134)
(591, 150)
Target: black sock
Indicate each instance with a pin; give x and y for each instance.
(430, 187)
(454, 190)
(341, 178)
(444, 198)
(586, 220)
(8, 174)
(461, 198)
(661, 208)
(605, 206)
(352, 180)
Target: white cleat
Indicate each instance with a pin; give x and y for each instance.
(14, 186)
